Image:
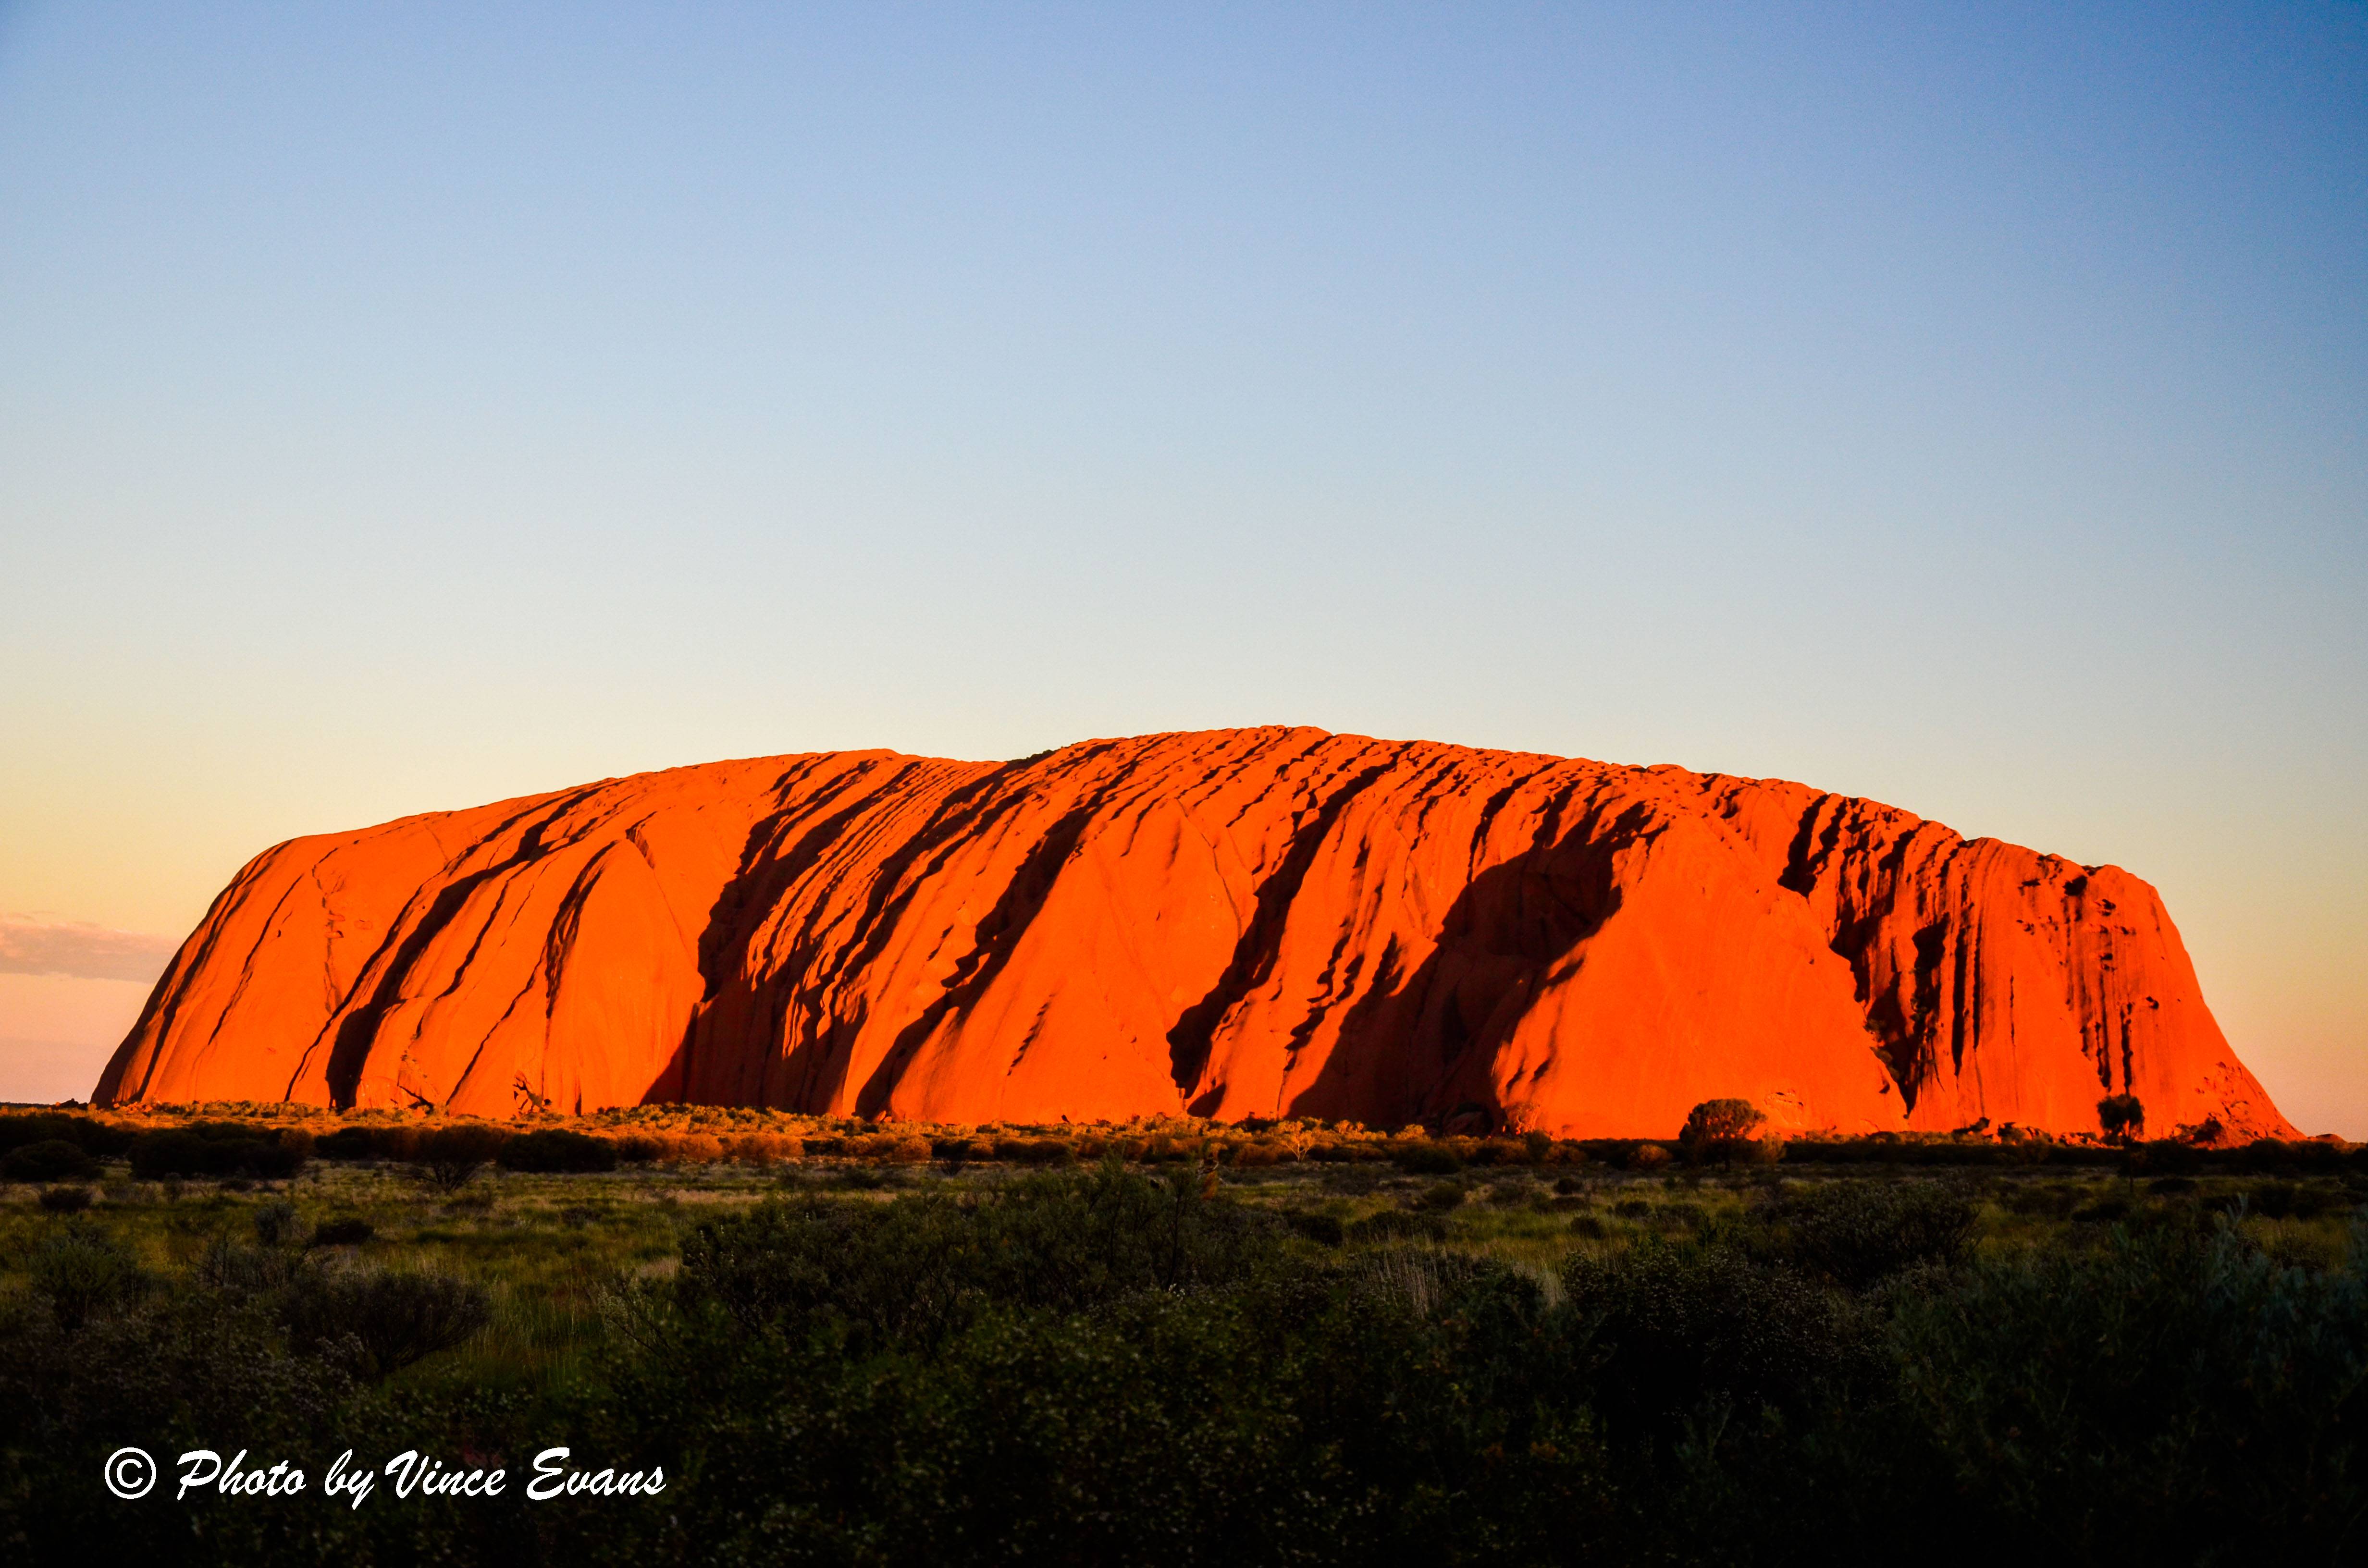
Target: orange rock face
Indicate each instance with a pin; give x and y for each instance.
(1242, 922)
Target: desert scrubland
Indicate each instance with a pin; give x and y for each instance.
(835, 1340)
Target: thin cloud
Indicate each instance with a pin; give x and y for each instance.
(33, 943)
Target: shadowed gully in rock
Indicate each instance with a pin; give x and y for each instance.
(1267, 922)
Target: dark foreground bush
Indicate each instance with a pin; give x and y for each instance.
(52, 1160)
(1324, 1230)
(450, 1157)
(79, 1271)
(356, 1144)
(236, 1268)
(171, 1369)
(1682, 1328)
(1428, 1159)
(1720, 1129)
(65, 1199)
(1397, 1225)
(87, 1133)
(2157, 1399)
(274, 1221)
(1113, 1370)
(388, 1320)
(2288, 1200)
(1100, 1367)
(217, 1148)
(1856, 1232)
(347, 1229)
(921, 1268)
(556, 1149)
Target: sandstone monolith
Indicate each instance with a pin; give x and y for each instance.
(1241, 923)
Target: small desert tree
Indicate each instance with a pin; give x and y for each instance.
(450, 1157)
(2122, 1117)
(1714, 1127)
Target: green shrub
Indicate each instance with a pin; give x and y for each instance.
(1161, 1429)
(227, 1266)
(52, 1159)
(1408, 1407)
(1441, 1196)
(81, 1270)
(274, 1221)
(1716, 1129)
(919, 1267)
(1857, 1232)
(2171, 1395)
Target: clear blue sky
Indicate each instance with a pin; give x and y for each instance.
(1966, 406)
